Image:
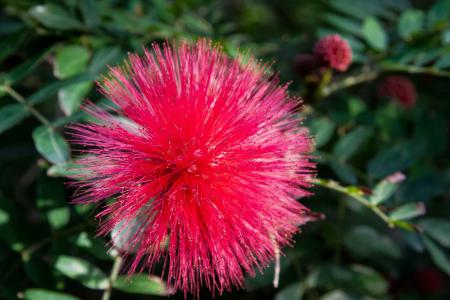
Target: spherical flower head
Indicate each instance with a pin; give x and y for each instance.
(400, 89)
(202, 152)
(334, 52)
(305, 64)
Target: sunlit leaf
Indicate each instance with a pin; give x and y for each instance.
(41, 294)
(82, 271)
(142, 284)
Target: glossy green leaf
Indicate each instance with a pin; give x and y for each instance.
(142, 284)
(374, 34)
(408, 211)
(411, 22)
(42, 294)
(51, 144)
(82, 271)
(11, 115)
(350, 143)
(437, 255)
(291, 292)
(55, 17)
(438, 229)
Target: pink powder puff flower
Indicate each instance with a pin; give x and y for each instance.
(202, 152)
(333, 51)
(400, 89)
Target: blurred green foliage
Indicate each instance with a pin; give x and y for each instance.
(378, 236)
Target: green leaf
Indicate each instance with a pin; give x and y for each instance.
(196, 25)
(82, 271)
(438, 229)
(45, 92)
(438, 14)
(350, 143)
(321, 129)
(66, 169)
(93, 245)
(343, 23)
(142, 284)
(103, 57)
(70, 60)
(443, 62)
(70, 98)
(55, 17)
(291, 292)
(343, 171)
(364, 241)
(383, 191)
(13, 230)
(91, 12)
(408, 211)
(41, 294)
(393, 159)
(11, 115)
(51, 200)
(359, 279)
(370, 281)
(51, 144)
(25, 68)
(374, 34)
(437, 255)
(411, 22)
(337, 295)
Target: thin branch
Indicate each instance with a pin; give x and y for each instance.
(333, 185)
(348, 82)
(16, 96)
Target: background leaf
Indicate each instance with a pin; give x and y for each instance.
(374, 34)
(51, 144)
